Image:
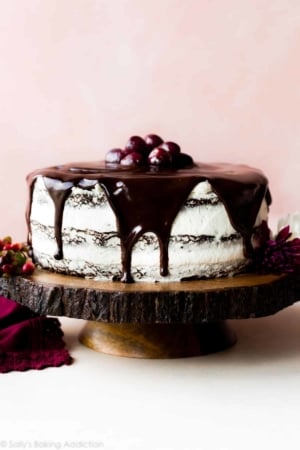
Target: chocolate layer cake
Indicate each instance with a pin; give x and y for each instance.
(150, 222)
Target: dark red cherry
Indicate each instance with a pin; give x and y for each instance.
(153, 141)
(114, 156)
(159, 157)
(171, 147)
(126, 152)
(182, 160)
(136, 144)
(7, 268)
(132, 159)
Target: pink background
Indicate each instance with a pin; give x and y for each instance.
(77, 77)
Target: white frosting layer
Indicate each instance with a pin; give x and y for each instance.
(199, 245)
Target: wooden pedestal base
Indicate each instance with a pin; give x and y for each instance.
(158, 340)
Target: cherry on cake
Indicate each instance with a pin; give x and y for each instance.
(147, 213)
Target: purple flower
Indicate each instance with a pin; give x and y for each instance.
(279, 255)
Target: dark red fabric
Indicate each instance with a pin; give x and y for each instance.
(29, 341)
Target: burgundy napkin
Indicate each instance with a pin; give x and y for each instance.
(29, 341)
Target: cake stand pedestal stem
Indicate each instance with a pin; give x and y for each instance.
(157, 340)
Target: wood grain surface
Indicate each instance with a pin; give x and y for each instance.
(158, 340)
(242, 296)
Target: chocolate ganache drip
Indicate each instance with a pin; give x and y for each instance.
(146, 200)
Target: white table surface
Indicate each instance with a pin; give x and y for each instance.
(247, 397)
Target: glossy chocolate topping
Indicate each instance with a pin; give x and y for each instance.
(146, 200)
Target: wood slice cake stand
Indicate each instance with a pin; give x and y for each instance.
(155, 320)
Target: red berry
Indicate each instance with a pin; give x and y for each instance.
(114, 156)
(28, 268)
(159, 157)
(16, 247)
(132, 159)
(153, 141)
(136, 144)
(7, 268)
(125, 152)
(7, 247)
(171, 147)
